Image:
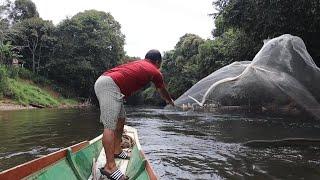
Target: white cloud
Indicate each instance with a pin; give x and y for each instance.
(146, 24)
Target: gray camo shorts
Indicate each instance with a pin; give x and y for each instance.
(110, 101)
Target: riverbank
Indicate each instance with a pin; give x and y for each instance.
(8, 105)
(5, 106)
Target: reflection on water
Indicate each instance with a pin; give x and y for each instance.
(180, 145)
(28, 134)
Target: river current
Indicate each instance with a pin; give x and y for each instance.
(179, 145)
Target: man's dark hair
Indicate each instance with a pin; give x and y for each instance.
(154, 55)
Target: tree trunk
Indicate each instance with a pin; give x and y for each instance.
(33, 51)
(33, 63)
(39, 58)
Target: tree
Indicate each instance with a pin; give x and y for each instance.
(260, 19)
(88, 44)
(6, 53)
(22, 9)
(180, 66)
(4, 23)
(34, 36)
(186, 62)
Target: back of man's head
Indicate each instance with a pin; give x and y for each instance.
(154, 55)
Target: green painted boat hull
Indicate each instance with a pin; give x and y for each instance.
(136, 167)
(75, 166)
(79, 165)
(79, 161)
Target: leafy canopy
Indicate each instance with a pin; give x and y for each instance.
(88, 44)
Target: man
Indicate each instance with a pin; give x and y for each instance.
(110, 88)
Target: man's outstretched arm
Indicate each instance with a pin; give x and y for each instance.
(165, 95)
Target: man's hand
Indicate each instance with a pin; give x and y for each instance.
(170, 102)
(165, 95)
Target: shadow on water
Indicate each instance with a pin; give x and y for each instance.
(180, 145)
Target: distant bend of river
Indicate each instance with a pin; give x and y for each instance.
(179, 145)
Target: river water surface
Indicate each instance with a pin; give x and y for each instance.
(179, 145)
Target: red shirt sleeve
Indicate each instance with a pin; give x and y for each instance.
(157, 79)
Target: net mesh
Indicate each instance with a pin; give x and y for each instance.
(281, 75)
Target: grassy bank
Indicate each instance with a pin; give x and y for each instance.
(22, 87)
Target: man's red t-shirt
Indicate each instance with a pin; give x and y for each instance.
(134, 75)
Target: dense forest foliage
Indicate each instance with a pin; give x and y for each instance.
(240, 28)
(71, 55)
(75, 52)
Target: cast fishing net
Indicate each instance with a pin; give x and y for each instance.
(281, 75)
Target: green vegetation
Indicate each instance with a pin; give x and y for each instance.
(70, 55)
(87, 44)
(260, 19)
(74, 53)
(4, 86)
(26, 92)
(241, 27)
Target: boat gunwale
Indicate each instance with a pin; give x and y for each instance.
(28, 168)
(36, 165)
(96, 139)
(149, 168)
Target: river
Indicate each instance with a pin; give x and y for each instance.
(179, 145)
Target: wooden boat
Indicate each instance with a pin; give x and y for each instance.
(81, 161)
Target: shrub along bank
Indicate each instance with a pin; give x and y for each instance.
(21, 86)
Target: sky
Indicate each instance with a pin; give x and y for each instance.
(147, 24)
